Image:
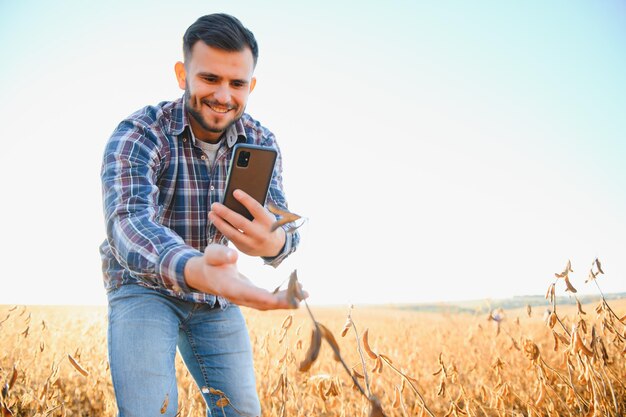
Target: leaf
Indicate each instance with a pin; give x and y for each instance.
(222, 402)
(599, 266)
(166, 401)
(550, 293)
(357, 374)
(13, 377)
(294, 292)
(378, 367)
(569, 285)
(566, 271)
(580, 347)
(286, 216)
(287, 322)
(77, 366)
(396, 397)
(599, 308)
(332, 390)
(603, 353)
(552, 320)
(279, 386)
(583, 325)
(366, 345)
(346, 327)
(214, 391)
(556, 341)
(562, 338)
(313, 351)
(327, 334)
(441, 389)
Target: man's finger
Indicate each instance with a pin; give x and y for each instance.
(217, 255)
(234, 235)
(234, 219)
(254, 207)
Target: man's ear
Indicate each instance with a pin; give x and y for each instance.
(181, 75)
(252, 84)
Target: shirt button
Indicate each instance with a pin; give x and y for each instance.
(203, 157)
(212, 188)
(210, 240)
(184, 139)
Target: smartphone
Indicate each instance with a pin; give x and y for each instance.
(250, 170)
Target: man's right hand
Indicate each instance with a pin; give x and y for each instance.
(216, 273)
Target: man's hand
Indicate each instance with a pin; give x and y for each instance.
(251, 237)
(216, 273)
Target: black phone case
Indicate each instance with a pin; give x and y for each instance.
(254, 179)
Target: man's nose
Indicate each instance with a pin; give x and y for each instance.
(222, 94)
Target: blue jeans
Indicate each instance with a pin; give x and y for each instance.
(145, 327)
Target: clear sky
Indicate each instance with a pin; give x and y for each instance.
(442, 150)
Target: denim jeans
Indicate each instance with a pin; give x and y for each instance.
(145, 327)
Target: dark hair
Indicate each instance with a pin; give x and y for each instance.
(221, 31)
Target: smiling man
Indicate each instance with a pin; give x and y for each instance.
(217, 84)
(171, 280)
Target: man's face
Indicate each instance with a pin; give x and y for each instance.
(217, 84)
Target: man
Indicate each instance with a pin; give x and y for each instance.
(171, 281)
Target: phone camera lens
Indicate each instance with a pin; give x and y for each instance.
(243, 159)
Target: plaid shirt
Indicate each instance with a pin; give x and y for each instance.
(158, 188)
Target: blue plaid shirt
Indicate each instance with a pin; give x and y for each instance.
(158, 188)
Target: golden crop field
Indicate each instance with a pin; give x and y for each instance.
(416, 364)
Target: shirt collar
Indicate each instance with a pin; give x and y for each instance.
(179, 121)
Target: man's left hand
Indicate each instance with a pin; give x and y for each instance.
(251, 237)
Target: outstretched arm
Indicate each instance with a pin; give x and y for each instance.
(215, 272)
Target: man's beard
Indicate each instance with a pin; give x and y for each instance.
(197, 116)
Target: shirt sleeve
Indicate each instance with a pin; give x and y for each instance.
(150, 251)
(277, 197)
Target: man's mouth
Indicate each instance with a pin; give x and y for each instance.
(219, 108)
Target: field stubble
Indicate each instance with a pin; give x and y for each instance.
(53, 362)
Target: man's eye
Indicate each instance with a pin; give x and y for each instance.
(210, 79)
(238, 84)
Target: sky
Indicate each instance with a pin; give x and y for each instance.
(441, 150)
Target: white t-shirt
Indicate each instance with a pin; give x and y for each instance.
(209, 149)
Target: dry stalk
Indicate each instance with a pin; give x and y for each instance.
(358, 345)
(335, 349)
(567, 382)
(408, 381)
